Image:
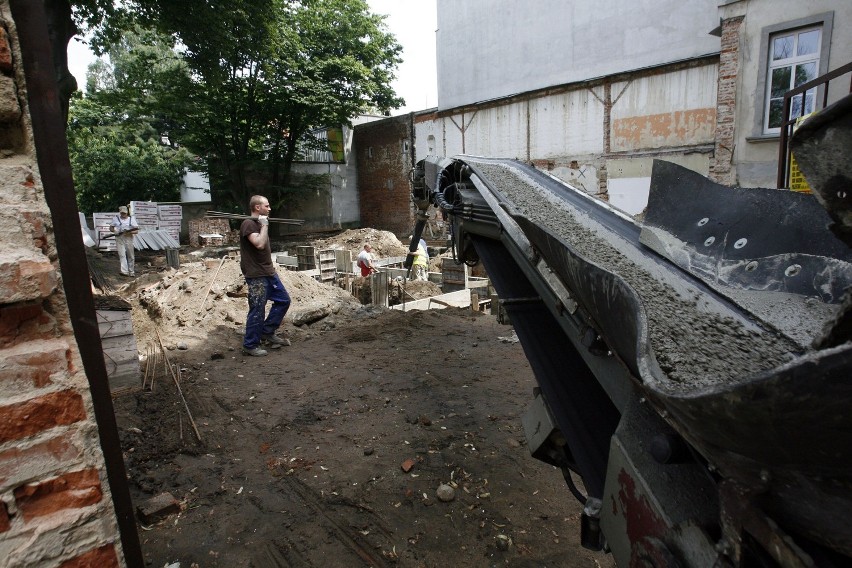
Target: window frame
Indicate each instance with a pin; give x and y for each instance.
(825, 21)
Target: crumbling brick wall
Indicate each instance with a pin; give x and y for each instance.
(55, 507)
(208, 226)
(383, 153)
(722, 169)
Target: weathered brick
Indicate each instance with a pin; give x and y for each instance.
(383, 188)
(32, 363)
(18, 185)
(24, 419)
(18, 464)
(103, 557)
(25, 321)
(25, 275)
(5, 52)
(10, 109)
(5, 521)
(158, 507)
(68, 491)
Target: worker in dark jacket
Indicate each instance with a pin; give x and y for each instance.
(263, 282)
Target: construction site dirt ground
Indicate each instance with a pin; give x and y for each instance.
(330, 451)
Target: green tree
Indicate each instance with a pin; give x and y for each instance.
(263, 74)
(116, 133)
(114, 163)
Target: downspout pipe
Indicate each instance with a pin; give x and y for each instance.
(55, 169)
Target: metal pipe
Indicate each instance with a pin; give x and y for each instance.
(55, 168)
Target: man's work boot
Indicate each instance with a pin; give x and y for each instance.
(254, 351)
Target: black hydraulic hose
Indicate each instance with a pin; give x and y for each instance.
(415, 240)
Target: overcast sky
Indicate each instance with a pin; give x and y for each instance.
(413, 22)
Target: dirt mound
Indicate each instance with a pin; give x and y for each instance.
(385, 244)
(406, 291)
(189, 304)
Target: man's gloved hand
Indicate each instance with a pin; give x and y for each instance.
(263, 219)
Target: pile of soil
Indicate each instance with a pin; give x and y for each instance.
(384, 243)
(331, 451)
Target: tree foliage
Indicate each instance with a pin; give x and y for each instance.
(262, 75)
(115, 134)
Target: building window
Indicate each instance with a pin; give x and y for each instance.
(323, 145)
(793, 61)
(791, 53)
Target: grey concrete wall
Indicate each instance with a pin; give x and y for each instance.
(488, 49)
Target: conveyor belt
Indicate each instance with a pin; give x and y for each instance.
(742, 385)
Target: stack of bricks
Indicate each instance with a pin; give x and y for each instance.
(102, 222)
(54, 507)
(207, 226)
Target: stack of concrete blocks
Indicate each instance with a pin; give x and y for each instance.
(145, 214)
(306, 257)
(101, 223)
(327, 264)
(169, 219)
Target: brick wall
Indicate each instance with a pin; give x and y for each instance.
(55, 507)
(722, 169)
(383, 165)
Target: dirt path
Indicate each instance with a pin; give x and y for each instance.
(302, 453)
(301, 457)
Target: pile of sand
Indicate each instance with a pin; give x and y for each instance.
(188, 304)
(385, 244)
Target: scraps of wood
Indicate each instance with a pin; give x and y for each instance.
(213, 281)
(177, 385)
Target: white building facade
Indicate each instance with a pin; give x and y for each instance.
(593, 92)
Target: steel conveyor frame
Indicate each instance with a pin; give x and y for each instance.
(650, 490)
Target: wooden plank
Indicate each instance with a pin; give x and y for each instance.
(116, 327)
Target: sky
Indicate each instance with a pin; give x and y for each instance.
(413, 22)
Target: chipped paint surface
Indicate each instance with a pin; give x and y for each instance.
(677, 128)
(641, 519)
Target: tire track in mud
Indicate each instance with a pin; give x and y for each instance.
(333, 518)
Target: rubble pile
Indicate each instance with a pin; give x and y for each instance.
(188, 304)
(385, 244)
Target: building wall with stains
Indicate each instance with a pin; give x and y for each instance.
(600, 136)
(384, 160)
(55, 503)
(664, 111)
(749, 155)
(488, 49)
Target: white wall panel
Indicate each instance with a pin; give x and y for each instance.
(488, 49)
(566, 124)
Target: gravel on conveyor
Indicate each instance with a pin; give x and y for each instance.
(698, 342)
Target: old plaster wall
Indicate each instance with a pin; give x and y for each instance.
(588, 134)
(752, 157)
(55, 505)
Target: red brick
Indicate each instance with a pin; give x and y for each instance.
(103, 557)
(383, 190)
(5, 521)
(25, 276)
(68, 491)
(24, 321)
(47, 456)
(24, 419)
(32, 363)
(5, 52)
